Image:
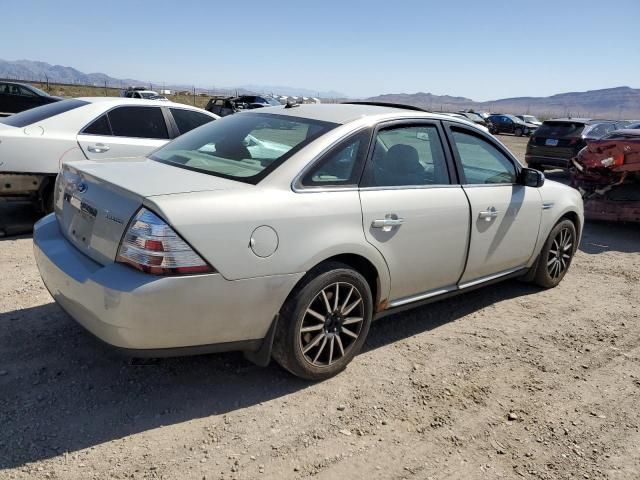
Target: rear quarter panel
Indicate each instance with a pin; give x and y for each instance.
(311, 227)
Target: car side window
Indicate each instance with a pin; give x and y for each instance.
(187, 120)
(100, 126)
(341, 165)
(138, 122)
(482, 163)
(407, 156)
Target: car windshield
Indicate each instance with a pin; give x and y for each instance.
(246, 146)
(274, 102)
(529, 118)
(149, 95)
(38, 91)
(560, 129)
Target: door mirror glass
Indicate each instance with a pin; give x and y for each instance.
(530, 177)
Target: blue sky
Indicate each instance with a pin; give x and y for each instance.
(478, 49)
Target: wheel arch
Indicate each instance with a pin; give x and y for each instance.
(374, 270)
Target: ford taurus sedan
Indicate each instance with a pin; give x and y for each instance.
(283, 232)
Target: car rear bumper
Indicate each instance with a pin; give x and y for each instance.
(534, 161)
(157, 315)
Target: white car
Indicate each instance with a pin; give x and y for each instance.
(284, 231)
(34, 143)
(144, 94)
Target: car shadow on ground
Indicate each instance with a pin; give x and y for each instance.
(17, 218)
(61, 390)
(599, 237)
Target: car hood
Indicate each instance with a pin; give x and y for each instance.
(148, 178)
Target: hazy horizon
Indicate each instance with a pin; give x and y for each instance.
(460, 49)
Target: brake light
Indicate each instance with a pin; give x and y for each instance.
(152, 246)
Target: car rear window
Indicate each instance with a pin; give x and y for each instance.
(560, 129)
(245, 146)
(39, 114)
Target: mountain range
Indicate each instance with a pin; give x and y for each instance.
(618, 102)
(30, 70)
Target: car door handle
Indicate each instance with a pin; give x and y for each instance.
(488, 214)
(98, 148)
(387, 223)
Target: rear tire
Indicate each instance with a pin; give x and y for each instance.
(324, 322)
(47, 200)
(556, 255)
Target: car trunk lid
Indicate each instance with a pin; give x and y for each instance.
(94, 202)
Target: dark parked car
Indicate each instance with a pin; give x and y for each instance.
(17, 97)
(224, 106)
(257, 101)
(557, 141)
(501, 123)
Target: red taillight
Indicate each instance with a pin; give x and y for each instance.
(152, 246)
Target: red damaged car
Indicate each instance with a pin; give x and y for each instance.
(607, 173)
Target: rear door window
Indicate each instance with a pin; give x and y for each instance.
(138, 122)
(342, 165)
(187, 120)
(100, 126)
(44, 112)
(407, 156)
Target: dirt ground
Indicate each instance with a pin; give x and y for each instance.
(509, 381)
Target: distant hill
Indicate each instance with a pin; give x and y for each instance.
(41, 71)
(618, 102)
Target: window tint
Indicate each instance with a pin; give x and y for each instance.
(554, 129)
(138, 122)
(98, 127)
(39, 114)
(187, 120)
(339, 166)
(25, 92)
(482, 162)
(406, 156)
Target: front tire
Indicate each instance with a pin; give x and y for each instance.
(556, 255)
(518, 132)
(324, 322)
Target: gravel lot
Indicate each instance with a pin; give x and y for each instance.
(505, 382)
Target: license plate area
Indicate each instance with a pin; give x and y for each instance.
(551, 142)
(83, 217)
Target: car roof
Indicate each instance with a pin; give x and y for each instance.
(343, 113)
(135, 101)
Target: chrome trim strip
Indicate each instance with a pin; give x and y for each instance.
(488, 278)
(420, 296)
(409, 187)
(474, 185)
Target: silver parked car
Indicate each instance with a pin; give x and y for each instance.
(285, 231)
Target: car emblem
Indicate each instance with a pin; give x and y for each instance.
(81, 187)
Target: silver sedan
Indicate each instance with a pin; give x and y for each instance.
(283, 232)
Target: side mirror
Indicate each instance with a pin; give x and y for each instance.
(530, 177)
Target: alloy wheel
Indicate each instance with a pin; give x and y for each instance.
(331, 324)
(560, 253)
